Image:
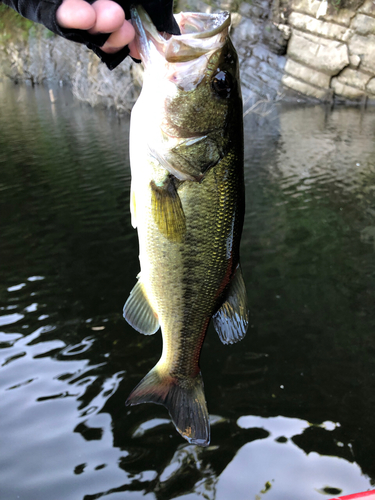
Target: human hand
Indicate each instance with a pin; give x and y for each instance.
(103, 16)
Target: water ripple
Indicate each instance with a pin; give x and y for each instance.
(9, 319)
(295, 394)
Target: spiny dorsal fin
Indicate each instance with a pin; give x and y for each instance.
(138, 312)
(231, 320)
(183, 397)
(167, 210)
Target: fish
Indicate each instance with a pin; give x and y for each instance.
(187, 203)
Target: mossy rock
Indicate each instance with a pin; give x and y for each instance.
(346, 4)
(12, 25)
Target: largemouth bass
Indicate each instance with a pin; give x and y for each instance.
(187, 203)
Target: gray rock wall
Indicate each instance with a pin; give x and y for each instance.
(331, 55)
(296, 50)
(45, 58)
(302, 49)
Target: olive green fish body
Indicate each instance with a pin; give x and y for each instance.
(186, 280)
(188, 205)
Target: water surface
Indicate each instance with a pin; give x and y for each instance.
(292, 405)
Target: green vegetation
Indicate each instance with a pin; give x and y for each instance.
(346, 4)
(12, 25)
(335, 3)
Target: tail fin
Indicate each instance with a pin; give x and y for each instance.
(183, 397)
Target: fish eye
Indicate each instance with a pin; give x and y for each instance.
(222, 84)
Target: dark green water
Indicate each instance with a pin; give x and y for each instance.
(292, 405)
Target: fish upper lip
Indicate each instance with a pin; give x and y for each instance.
(221, 20)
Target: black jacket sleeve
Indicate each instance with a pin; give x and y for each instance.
(44, 12)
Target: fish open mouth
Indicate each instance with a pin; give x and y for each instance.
(181, 59)
(200, 33)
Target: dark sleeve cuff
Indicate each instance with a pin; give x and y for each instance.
(44, 12)
(47, 16)
(161, 13)
(111, 60)
(93, 42)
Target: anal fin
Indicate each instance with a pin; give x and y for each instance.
(231, 320)
(138, 312)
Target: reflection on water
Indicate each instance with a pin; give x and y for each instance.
(291, 406)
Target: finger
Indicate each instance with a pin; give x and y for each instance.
(110, 16)
(119, 38)
(75, 14)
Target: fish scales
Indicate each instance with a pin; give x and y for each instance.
(188, 206)
(202, 263)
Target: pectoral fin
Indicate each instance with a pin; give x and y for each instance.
(231, 320)
(167, 210)
(138, 312)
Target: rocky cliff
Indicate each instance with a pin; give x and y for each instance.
(32, 54)
(295, 50)
(331, 51)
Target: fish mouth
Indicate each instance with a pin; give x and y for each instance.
(200, 34)
(201, 25)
